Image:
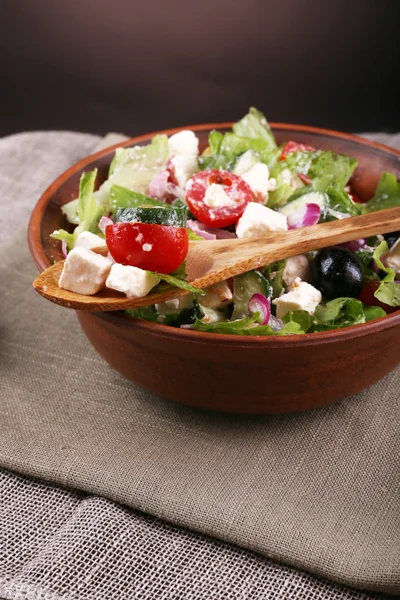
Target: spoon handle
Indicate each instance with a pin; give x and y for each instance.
(213, 261)
(218, 260)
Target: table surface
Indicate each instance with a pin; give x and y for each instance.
(45, 525)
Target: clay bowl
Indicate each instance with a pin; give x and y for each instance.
(232, 373)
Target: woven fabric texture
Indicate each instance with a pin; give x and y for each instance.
(62, 545)
(318, 491)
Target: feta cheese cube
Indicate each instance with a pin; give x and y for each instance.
(217, 295)
(89, 240)
(131, 281)
(259, 220)
(296, 266)
(84, 272)
(286, 177)
(302, 296)
(392, 258)
(216, 196)
(183, 142)
(258, 179)
(184, 167)
(245, 161)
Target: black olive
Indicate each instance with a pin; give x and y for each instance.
(337, 272)
(392, 238)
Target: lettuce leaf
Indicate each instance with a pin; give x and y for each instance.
(388, 292)
(387, 194)
(246, 326)
(176, 281)
(122, 197)
(335, 314)
(88, 211)
(254, 125)
(134, 168)
(250, 133)
(147, 313)
(338, 168)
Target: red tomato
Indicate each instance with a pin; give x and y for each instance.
(159, 248)
(367, 296)
(304, 178)
(355, 198)
(221, 216)
(291, 147)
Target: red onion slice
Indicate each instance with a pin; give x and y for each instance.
(196, 227)
(304, 217)
(260, 304)
(175, 190)
(64, 249)
(158, 185)
(104, 221)
(210, 233)
(354, 245)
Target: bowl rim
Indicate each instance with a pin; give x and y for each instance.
(354, 331)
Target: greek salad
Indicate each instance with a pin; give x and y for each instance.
(160, 196)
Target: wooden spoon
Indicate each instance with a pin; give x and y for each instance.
(211, 261)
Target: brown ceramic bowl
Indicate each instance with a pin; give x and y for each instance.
(232, 373)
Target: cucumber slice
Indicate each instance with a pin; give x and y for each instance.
(244, 286)
(309, 198)
(168, 215)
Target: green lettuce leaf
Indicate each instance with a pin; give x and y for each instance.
(338, 168)
(122, 197)
(147, 313)
(88, 211)
(254, 125)
(388, 292)
(335, 314)
(246, 326)
(387, 194)
(176, 281)
(134, 168)
(274, 274)
(250, 133)
(340, 202)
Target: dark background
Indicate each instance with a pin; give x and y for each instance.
(136, 66)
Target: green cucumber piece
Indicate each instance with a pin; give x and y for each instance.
(168, 215)
(309, 198)
(244, 287)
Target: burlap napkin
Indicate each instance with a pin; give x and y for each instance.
(317, 490)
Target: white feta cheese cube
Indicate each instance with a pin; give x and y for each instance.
(392, 258)
(216, 196)
(175, 305)
(184, 166)
(84, 272)
(131, 281)
(258, 179)
(89, 240)
(259, 220)
(302, 296)
(296, 266)
(286, 177)
(183, 142)
(247, 160)
(217, 295)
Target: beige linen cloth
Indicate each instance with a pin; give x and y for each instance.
(318, 491)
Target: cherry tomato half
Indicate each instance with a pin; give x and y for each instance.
(159, 248)
(221, 216)
(291, 147)
(355, 198)
(367, 297)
